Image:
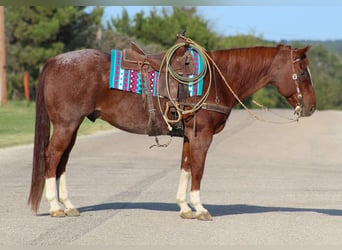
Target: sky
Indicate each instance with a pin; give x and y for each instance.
(275, 23)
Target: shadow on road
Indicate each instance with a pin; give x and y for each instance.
(215, 210)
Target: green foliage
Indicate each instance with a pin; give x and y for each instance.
(162, 28)
(115, 40)
(334, 46)
(242, 41)
(159, 29)
(269, 97)
(17, 124)
(37, 33)
(326, 73)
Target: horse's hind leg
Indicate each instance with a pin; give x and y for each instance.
(60, 141)
(70, 209)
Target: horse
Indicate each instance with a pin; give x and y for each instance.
(74, 85)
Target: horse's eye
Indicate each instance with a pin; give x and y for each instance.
(302, 75)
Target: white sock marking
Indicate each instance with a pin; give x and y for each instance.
(195, 202)
(51, 193)
(182, 189)
(63, 192)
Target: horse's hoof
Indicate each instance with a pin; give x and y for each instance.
(72, 212)
(187, 215)
(204, 216)
(58, 213)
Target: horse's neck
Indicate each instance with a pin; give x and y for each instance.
(246, 70)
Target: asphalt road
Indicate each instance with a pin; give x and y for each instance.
(264, 184)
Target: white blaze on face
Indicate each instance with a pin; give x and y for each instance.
(308, 69)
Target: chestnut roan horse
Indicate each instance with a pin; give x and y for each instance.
(74, 85)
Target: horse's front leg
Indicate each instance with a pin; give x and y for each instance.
(184, 180)
(195, 150)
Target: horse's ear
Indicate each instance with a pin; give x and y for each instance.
(301, 53)
(306, 49)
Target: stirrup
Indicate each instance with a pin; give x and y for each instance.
(179, 114)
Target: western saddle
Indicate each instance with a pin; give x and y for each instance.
(181, 62)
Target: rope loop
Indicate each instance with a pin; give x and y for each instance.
(195, 79)
(185, 80)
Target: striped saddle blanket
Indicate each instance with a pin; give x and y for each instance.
(131, 80)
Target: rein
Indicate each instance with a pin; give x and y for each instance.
(206, 69)
(298, 108)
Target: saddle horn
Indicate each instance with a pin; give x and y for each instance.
(182, 32)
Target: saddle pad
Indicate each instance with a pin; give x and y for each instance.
(131, 81)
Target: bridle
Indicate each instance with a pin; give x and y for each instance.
(300, 104)
(298, 108)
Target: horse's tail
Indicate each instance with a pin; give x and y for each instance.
(41, 141)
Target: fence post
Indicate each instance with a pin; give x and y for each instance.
(26, 86)
(3, 81)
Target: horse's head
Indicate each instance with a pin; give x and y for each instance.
(293, 80)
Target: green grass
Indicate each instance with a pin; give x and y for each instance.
(17, 124)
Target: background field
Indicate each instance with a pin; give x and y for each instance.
(17, 124)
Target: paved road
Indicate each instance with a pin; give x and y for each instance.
(264, 185)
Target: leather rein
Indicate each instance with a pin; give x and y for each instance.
(224, 109)
(298, 109)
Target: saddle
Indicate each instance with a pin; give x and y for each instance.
(135, 55)
(181, 63)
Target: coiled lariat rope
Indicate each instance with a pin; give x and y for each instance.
(186, 80)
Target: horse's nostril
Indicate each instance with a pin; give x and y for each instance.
(312, 109)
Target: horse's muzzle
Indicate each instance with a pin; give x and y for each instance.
(309, 111)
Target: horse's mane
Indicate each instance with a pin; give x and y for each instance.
(248, 61)
(250, 51)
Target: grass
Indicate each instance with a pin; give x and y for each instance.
(17, 120)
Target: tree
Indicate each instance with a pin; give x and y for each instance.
(327, 78)
(242, 41)
(162, 28)
(158, 29)
(37, 33)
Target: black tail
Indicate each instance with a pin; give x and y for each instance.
(41, 141)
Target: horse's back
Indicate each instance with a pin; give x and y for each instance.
(85, 62)
(74, 57)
